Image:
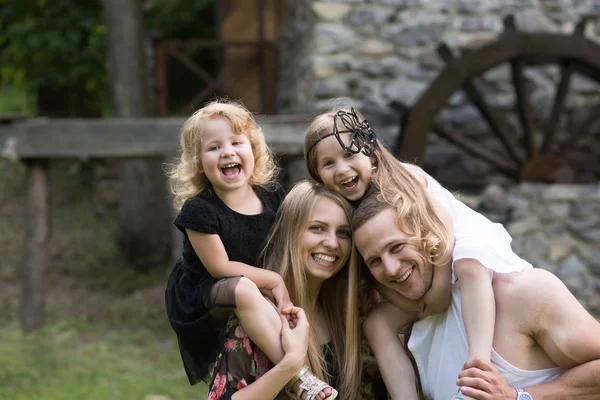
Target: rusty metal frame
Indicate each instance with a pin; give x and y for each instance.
(267, 51)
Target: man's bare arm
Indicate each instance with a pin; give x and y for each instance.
(571, 338)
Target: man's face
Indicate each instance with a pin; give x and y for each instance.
(393, 257)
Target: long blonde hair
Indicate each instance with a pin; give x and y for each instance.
(338, 297)
(186, 177)
(395, 186)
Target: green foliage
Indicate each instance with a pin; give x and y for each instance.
(182, 19)
(52, 43)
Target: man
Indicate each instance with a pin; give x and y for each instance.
(546, 345)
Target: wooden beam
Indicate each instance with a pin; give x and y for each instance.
(126, 138)
(37, 222)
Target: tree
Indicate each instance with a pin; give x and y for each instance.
(145, 218)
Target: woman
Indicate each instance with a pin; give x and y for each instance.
(310, 246)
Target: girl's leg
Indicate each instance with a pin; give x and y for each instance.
(381, 329)
(257, 315)
(259, 318)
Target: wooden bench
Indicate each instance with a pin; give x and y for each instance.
(36, 142)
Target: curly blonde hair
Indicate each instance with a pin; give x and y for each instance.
(186, 178)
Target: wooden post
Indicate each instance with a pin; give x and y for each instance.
(37, 222)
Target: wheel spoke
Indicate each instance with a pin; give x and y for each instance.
(474, 93)
(523, 108)
(493, 159)
(566, 71)
(580, 129)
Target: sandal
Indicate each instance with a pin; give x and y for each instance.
(309, 383)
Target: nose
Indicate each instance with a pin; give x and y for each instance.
(227, 151)
(331, 241)
(342, 167)
(391, 265)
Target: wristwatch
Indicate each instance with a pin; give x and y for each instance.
(522, 394)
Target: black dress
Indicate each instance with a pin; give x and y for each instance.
(197, 320)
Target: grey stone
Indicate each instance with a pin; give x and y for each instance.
(370, 14)
(389, 67)
(594, 260)
(332, 38)
(520, 207)
(480, 23)
(330, 11)
(418, 35)
(458, 98)
(523, 226)
(572, 266)
(404, 90)
(580, 210)
(536, 248)
(560, 247)
(337, 87)
(495, 199)
(375, 47)
(592, 235)
(330, 66)
(555, 229)
(578, 226)
(530, 189)
(533, 20)
(417, 73)
(554, 211)
(583, 84)
(400, 3)
(564, 192)
(500, 73)
(367, 30)
(431, 60)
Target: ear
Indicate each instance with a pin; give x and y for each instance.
(373, 161)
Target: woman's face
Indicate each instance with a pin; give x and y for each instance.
(327, 240)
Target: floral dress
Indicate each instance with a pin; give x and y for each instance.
(240, 362)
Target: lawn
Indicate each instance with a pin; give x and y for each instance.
(75, 360)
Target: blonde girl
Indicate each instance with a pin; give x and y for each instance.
(227, 199)
(343, 152)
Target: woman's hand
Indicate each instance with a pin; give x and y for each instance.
(295, 332)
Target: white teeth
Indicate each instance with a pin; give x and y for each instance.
(324, 258)
(345, 181)
(405, 276)
(230, 165)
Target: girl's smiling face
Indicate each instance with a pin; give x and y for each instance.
(346, 173)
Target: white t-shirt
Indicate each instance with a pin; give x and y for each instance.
(475, 236)
(439, 345)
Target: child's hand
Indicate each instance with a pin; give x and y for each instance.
(295, 330)
(281, 296)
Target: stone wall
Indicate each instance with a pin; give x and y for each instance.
(555, 227)
(379, 51)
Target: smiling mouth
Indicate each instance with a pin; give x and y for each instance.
(231, 170)
(324, 259)
(350, 183)
(404, 277)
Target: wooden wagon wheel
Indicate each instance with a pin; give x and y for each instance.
(537, 155)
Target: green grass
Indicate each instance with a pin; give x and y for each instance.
(70, 360)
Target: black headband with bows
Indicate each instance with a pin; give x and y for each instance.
(362, 138)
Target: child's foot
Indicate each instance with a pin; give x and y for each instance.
(306, 386)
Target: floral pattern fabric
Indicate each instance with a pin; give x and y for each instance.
(240, 362)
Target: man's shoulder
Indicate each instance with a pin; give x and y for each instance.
(528, 293)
